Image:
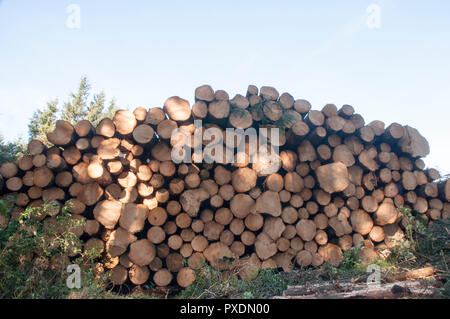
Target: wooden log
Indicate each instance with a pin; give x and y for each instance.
(306, 229)
(142, 252)
(357, 120)
(409, 181)
(241, 205)
(386, 214)
(331, 254)
(125, 122)
(428, 190)
(62, 135)
(315, 118)
(84, 128)
(335, 123)
(143, 134)
(306, 152)
(106, 128)
(413, 143)
(204, 93)
(243, 179)
(133, 217)
(333, 177)
(444, 190)
(36, 147)
(219, 109)
(302, 106)
(269, 203)
(393, 132)
(138, 274)
(9, 169)
(25, 162)
(154, 116)
(199, 110)
(361, 222)
(90, 194)
(366, 134)
(346, 111)
(269, 93)
(240, 119)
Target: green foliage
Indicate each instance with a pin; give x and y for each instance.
(34, 254)
(267, 284)
(423, 246)
(11, 151)
(77, 108)
(43, 121)
(213, 283)
(417, 234)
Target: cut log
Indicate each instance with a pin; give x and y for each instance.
(133, 217)
(199, 110)
(394, 132)
(9, 169)
(219, 109)
(142, 252)
(154, 116)
(108, 213)
(143, 134)
(413, 143)
(333, 177)
(293, 182)
(269, 203)
(219, 256)
(36, 147)
(138, 274)
(204, 93)
(386, 214)
(315, 118)
(243, 179)
(125, 122)
(306, 229)
(361, 222)
(118, 242)
(106, 128)
(241, 205)
(62, 135)
(331, 254)
(191, 200)
(265, 247)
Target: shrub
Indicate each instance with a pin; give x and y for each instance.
(34, 254)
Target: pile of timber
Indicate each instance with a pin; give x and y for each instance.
(340, 184)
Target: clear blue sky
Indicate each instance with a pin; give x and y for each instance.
(142, 52)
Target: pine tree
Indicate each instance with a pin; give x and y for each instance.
(112, 109)
(76, 109)
(43, 121)
(11, 151)
(94, 112)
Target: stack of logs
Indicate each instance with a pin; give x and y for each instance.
(339, 185)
